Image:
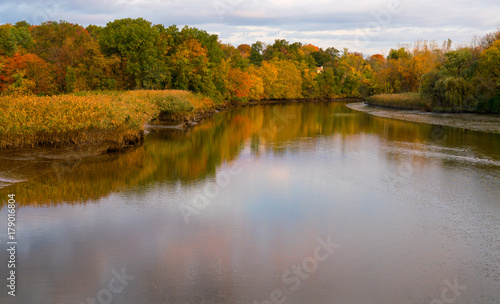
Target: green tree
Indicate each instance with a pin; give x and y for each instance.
(459, 63)
(400, 53)
(328, 84)
(136, 43)
(208, 41)
(15, 38)
(256, 56)
(279, 49)
(321, 57)
(333, 52)
(7, 44)
(94, 31)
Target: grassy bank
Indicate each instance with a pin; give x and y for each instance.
(88, 119)
(408, 101)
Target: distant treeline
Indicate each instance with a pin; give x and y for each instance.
(61, 57)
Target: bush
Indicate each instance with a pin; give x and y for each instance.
(173, 104)
(489, 106)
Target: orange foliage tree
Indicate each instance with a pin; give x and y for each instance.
(245, 85)
(309, 48)
(28, 73)
(245, 50)
(77, 56)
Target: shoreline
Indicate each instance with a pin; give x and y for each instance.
(177, 121)
(489, 123)
(472, 121)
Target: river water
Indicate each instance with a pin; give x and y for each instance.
(296, 203)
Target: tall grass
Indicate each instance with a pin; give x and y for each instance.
(91, 118)
(175, 104)
(401, 101)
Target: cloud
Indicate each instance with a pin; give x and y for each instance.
(323, 22)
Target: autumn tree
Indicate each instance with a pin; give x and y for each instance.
(309, 49)
(28, 73)
(378, 65)
(233, 55)
(245, 50)
(281, 78)
(490, 61)
(245, 85)
(354, 75)
(318, 56)
(487, 82)
(75, 54)
(309, 82)
(189, 66)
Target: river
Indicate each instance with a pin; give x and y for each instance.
(295, 203)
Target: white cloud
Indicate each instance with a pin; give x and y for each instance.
(323, 22)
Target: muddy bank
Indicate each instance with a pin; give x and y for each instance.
(477, 122)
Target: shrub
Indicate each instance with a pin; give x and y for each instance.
(490, 106)
(173, 104)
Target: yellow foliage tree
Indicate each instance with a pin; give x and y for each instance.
(282, 79)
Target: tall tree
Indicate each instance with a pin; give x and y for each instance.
(136, 43)
(256, 56)
(73, 51)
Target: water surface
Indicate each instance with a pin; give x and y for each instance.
(227, 211)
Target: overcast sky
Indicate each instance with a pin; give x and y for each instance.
(368, 26)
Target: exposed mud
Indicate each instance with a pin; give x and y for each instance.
(477, 122)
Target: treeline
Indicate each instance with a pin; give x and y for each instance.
(60, 57)
(465, 78)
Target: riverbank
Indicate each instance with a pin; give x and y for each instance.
(476, 122)
(101, 122)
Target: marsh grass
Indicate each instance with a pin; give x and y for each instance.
(175, 104)
(413, 101)
(88, 118)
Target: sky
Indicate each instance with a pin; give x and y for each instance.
(367, 26)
